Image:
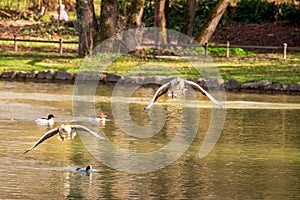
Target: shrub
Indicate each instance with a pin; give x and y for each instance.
(288, 13)
(255, 11)
(262, 11)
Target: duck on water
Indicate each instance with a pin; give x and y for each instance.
(46, 120)
(85, 169)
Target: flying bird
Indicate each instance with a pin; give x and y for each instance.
(178, 85)
(65, 132)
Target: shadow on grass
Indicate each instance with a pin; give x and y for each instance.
(34, 61)
(37, 55)
(38, 51)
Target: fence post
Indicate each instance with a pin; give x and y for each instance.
(227, 49)
(206, 49)
(60, 46)
(284, 50)
(15, 43)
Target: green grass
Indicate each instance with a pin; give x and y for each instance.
(38, 56)
(245, 68)
(256, 69)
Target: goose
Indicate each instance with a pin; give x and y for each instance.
(46, 121)
(65, 132)
(175, 85)
(86, 169)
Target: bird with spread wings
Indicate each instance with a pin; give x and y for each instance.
(65, 132)
(179, 84)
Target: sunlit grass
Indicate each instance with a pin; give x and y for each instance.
(256, 67)
(39, 57)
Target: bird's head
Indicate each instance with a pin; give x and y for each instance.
(65, 131)
(88, 168)
(51, 116)
(178, 80)
(102, 115)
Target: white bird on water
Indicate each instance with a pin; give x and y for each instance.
(46, 121)
(86, 169)
(65, 132)
(178, 84)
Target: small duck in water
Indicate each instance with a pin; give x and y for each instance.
(87, 169)
(46, 121)
(65, 132)
(102, 119)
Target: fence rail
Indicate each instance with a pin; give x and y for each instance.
(284, 46)
(60, 42)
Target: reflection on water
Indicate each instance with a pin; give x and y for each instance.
(256, 157)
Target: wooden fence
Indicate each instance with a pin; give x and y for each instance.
(206, 46)
(16, 40)
(283, 48)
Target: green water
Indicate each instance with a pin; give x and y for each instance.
(256, 157)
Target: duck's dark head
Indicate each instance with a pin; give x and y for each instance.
(88, 168)
(51, 116)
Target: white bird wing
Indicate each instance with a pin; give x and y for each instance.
(162, 90)
(83, 128)
(46, 136)
(204, 92)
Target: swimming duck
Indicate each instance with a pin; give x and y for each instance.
(101, 117)
(46, 121)
(87, 169)
(178, 85)
(65, 132)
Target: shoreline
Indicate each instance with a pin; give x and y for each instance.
(50, 76)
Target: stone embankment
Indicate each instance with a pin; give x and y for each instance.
(263, 86)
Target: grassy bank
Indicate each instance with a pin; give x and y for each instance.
(244, 68)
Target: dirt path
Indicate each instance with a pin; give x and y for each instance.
(258, 34)
(8, 27)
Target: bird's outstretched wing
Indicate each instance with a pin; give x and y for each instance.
(162, 90)
(83, 128)
(46, 136)
(204, 92)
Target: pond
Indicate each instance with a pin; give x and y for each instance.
(257, 155)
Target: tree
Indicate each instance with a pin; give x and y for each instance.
(91, 32)
(189, 17)
(135, 14)
(108, 19)
(159, 14)
(87, 24)
(160, 20)
(211, 23)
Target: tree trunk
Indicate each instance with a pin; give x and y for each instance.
(160, 22)
(135, 13)
(167, 3)
(86, 22)
(159, 14)
(108, 19)
(211, 23)
(189, 17)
